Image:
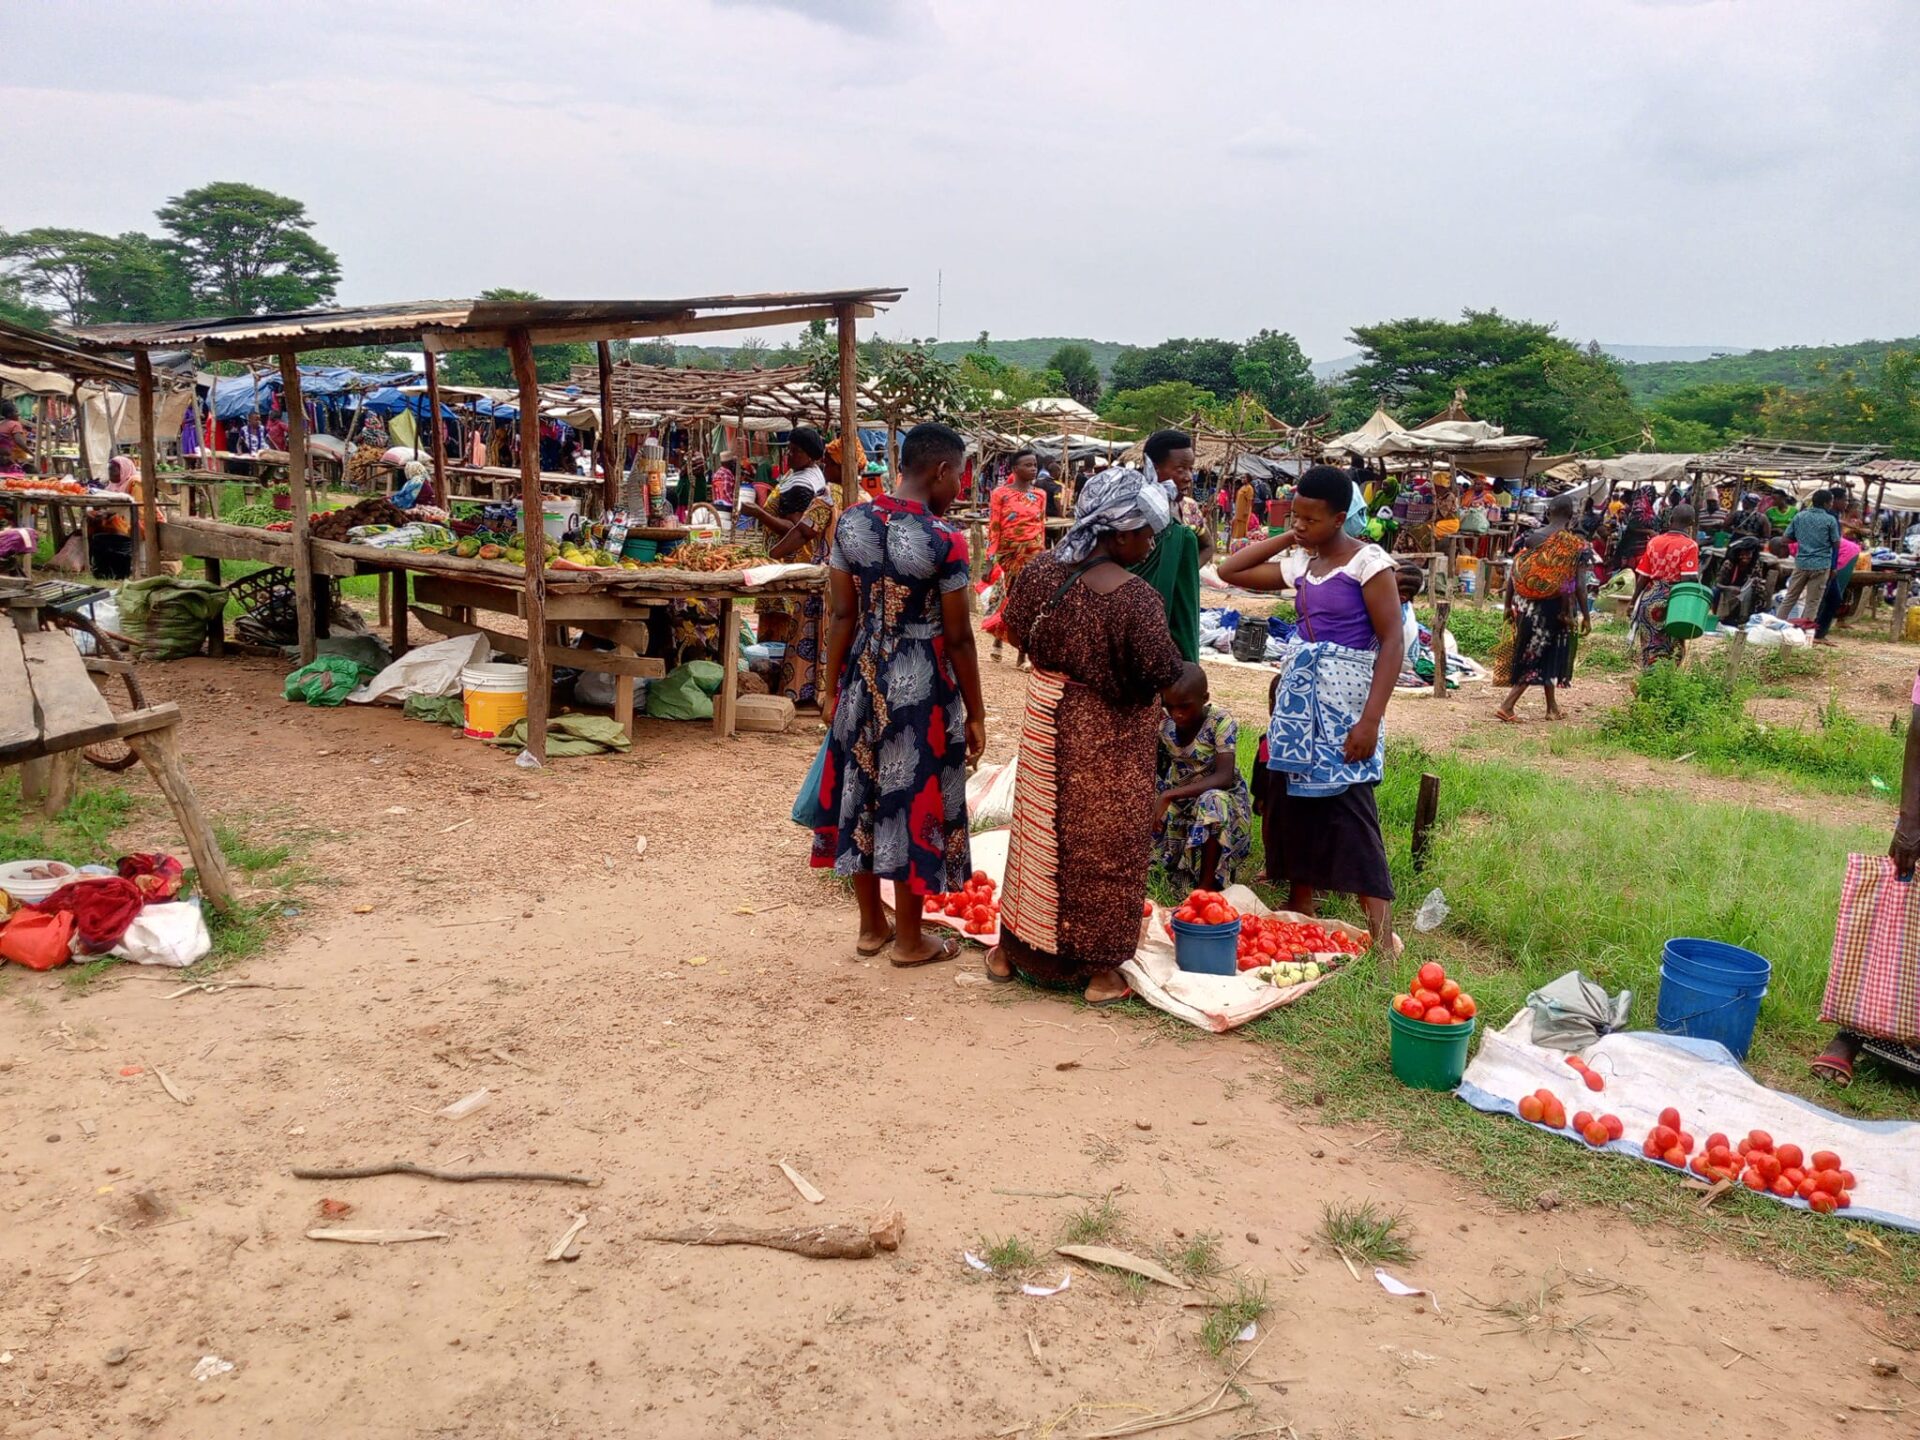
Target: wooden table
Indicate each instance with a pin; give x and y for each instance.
(50, 710)
(612, 605)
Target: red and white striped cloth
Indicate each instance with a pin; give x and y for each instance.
(1873, 982)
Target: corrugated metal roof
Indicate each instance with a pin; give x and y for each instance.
(34, 350)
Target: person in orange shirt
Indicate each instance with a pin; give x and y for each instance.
(1016, 528)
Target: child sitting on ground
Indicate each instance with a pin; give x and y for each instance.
(1206, 827)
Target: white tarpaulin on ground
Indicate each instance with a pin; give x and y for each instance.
(1646, 1072)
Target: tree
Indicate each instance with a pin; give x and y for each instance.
(1868, 404)
(1207, 364)
(494, 368)
(16, 309)
(1725, 410)
(1414, 365)
(750, 354)
(246, 250)
(98, 278)
(1149, 407)
(1080, 376)
(1273, 368)
(911, 383)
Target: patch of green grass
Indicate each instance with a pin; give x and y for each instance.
(1546, 875)
(1475, 629)
(1363, 1231)
(1605, 652)
(81, 834)
(1197, 1258)
(1701, 712)
(1095, 1224)
(1247, 1305)
(1011, 1257)
(246, 854)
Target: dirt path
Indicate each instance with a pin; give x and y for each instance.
(632, 1021)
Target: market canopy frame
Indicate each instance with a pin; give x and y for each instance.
(1787, 459)
(439, 326)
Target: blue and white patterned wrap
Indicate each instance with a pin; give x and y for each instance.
(1323, 689)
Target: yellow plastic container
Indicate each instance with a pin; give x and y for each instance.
(494, 696)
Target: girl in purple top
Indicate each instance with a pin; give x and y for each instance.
(1324, 746)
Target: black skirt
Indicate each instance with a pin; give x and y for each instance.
(1327, 842)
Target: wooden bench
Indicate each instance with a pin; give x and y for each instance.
(50, 710)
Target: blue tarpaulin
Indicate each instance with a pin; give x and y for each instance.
(237, 396)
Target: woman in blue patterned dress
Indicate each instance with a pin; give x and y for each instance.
(901, 700)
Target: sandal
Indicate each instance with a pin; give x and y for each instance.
(1506, 717)
(867, 952)
(1124, 995)
(1835, 1069)
(947, 949)
(987, 965)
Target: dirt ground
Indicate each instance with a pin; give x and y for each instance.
(674, 1023)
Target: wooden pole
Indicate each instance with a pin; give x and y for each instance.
(849, 408)
(442, 495)
(303, 596)
(610, 479)
(1425, 811)
(539, 673)
(149, 470)
(1441, 608)
(80, 433)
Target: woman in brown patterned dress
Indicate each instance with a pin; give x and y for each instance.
(1085, 792)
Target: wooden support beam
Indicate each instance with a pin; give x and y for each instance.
(80, 434)
(539, 671)
(849, 412)
(437, 437)
(685, 322)
(149, 470)
(303, 591)
(610, 473)
(610, 662)
(1440, 611)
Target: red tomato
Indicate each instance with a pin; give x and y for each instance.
(1842, 1200)
(1650, 1148)
(1846, 1180)
(1676, 1157)
(1615, 1129)
(1767, 1164)
(1743, 1146)
(1699, 1167)
(1717, 1141)
(1782, 1187)
(1790, 1156)
(1823, 1160)
(1827, 1182)
(1543, 1095)
(1668, 1137)
(1530, 1109)
(980, 877)
(1721, 1156)
(1433, 975)
(1215, 915)
(1439, 1015)
(1555, 1116)
(1670, 1118)
(1805, 1189)
(1449, 989)
(1794, 1176)
(1760, 1140)
(1582, 1119)
(1463, 1006)
(1427, 998)
(1824, 1203)
(1594, 1133)
(1751, 1179)
(1592, 1079)
(1146, 908)
(1686, 1142)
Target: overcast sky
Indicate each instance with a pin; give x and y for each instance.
(1644, 171)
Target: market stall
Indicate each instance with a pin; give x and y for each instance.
(442, 326)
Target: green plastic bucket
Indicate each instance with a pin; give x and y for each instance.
(1428, 1057)
(1688, 606)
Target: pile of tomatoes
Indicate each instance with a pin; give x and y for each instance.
(1784, 1170)
(1267, 938)
(1433, 999)
(1543, 1107)
(1206, 907)
(974, 905)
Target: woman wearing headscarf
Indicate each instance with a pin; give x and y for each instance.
(1085, 795)
(1663, 562)
(1324, 737)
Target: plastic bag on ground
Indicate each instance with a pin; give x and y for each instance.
(597, 687)
(1433, 911)
(327, 681)
(428, 670)
(570, 735)
(680, 696)
(174, 935)
(1572, 1012)
(990, 795)
(168, 615)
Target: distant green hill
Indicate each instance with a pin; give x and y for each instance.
(1034, 354)
(1792, 365)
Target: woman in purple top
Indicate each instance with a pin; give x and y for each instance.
(1323, 742)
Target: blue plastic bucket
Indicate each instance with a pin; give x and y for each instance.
(1711, 991)
(1207, 949)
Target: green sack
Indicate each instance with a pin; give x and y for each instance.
(680, 695)
(570, 735)
(706, 674)
(327, 681)
(435, 709)
(168, 615)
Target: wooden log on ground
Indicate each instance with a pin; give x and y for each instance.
(834, 1240)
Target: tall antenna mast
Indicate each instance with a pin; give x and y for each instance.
(939, 298)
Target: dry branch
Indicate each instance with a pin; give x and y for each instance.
(407, 1167)
(835, 1240)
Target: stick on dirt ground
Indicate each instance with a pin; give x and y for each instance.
(835, 1240)
(407, 1167)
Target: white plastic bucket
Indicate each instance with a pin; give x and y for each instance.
(494, 696)
(27, 891)
(555, 517)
